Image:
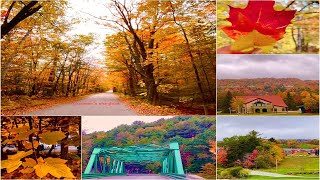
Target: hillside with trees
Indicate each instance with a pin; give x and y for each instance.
(195, 135)
(294, 92)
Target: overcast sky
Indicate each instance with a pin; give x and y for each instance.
(304, 66)
(85, 10)
(105, 123)
(278, 127)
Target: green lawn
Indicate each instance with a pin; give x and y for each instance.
(268, 177)
(297, 164)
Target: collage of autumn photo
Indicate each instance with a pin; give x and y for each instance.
(160, 89)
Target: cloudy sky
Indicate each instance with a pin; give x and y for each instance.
(305, 67)
(105, 123)
(86, 11)
(278, 127)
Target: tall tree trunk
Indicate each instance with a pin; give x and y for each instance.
(205, 105)
(69, 83)
(132, 82)
(139, 47)
(207, 79)
(64, 142)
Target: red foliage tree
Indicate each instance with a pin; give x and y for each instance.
(249, 161)
(222, 157)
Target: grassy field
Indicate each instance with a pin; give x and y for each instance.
(268, 177)
(295, 164)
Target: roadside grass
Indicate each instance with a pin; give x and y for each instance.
(143, 107)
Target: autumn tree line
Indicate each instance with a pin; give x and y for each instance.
(38, 56)
(163, 51)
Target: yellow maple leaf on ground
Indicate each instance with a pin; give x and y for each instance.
(251, 41)
(54, 166)
(13, 162)
(10, 165)
(51, 137)
(29, 162)
(20, 155)
(27, 170)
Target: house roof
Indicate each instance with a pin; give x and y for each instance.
(274, 99)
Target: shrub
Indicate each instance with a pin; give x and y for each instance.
(208, 171)
(264, 161)
(225, 175)
(235, 171)
(244, 173)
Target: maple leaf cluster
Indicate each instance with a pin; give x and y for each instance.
(257, 25)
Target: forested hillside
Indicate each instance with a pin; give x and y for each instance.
(195, 135)
(294, 91)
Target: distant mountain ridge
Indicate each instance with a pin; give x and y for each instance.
(267, 86)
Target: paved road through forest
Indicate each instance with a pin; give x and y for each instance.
(98, 104)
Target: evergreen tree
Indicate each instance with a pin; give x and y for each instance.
(226, 104)
(290, 102)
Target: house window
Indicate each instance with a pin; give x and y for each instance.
(264, 110)
(259, 103)
(283, 109)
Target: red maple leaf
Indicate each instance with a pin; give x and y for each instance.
(261, 16)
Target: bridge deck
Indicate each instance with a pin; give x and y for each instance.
(136, 176)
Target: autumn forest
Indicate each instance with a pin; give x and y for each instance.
(162, 56)
(159, 89)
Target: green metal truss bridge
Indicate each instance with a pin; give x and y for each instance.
(110, 161)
